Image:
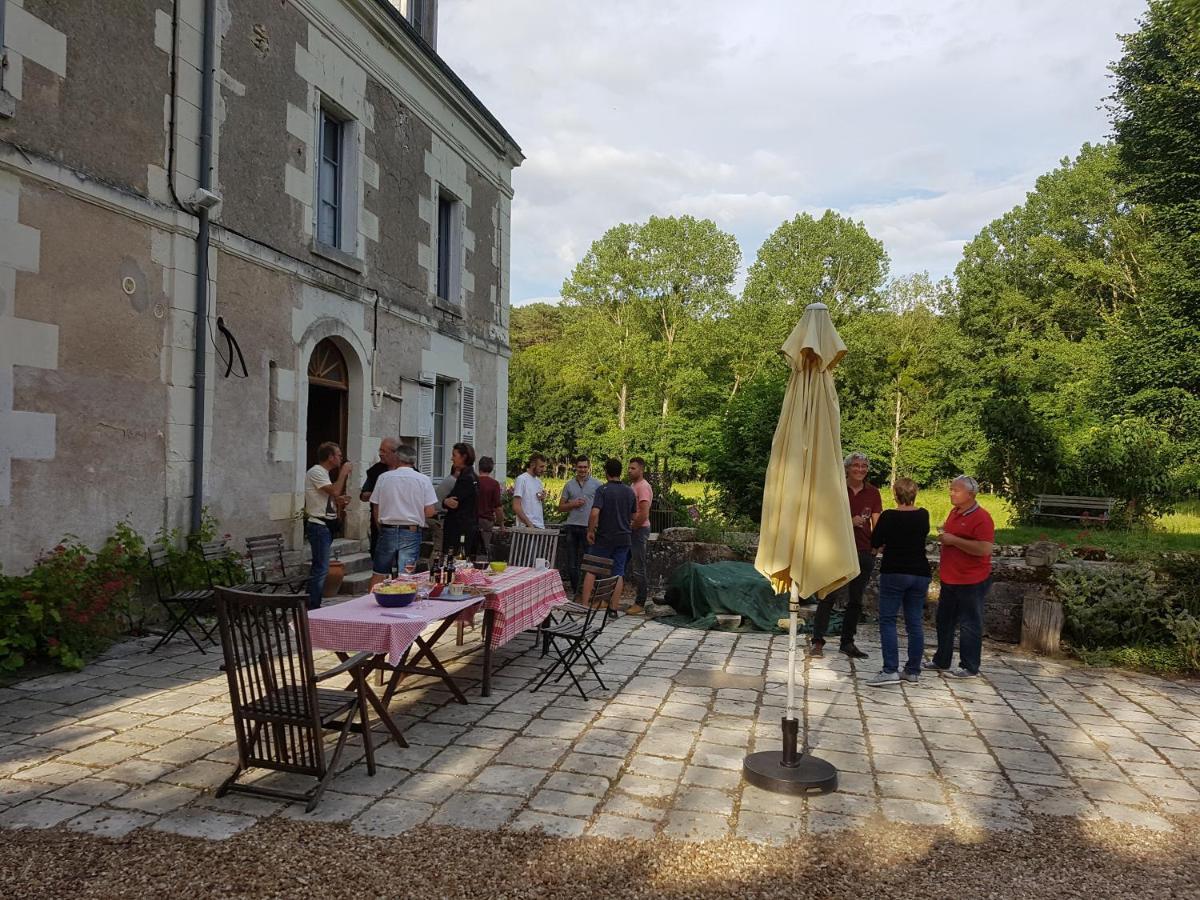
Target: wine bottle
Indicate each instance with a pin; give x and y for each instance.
(449, 569)
(460, 561)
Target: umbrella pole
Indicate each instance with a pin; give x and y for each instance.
(787, 771)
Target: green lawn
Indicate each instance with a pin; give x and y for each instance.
(1176, 533)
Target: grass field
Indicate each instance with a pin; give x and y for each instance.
(1176, 533)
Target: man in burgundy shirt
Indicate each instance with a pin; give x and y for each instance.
(865, 508)
(965, 572)
(489, 505)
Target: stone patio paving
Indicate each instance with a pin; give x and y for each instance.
(139, 741)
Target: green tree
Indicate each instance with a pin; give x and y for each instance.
(1156, 117)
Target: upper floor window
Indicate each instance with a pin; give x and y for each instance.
(449, 249)
(416, 15)
(331, 189)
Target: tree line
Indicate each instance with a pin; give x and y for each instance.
(1060, 358)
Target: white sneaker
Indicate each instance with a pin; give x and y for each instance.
(960, 672)
(884, 678)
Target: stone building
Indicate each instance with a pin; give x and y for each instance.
(350, 199)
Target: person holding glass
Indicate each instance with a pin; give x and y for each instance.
(904, 578)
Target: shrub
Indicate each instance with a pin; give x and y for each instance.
(1134, 610)
(72, 603)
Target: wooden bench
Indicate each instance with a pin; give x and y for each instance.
(1061, 506)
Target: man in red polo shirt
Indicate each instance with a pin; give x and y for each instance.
(965, 572)
(865, 508)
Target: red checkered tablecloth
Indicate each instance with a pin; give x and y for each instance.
(521, 598)
(362, 624)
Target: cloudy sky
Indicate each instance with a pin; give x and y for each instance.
(925, 119)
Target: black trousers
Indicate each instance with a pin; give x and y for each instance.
(854, 593)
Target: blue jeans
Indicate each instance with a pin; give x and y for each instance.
(961, 608)
(905, 592)
(618, 555)
(320, 538)
(395, 547)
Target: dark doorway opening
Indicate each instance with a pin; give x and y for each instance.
(328, 398)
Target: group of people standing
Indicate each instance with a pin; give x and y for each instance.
(610, 519)
(897, 537)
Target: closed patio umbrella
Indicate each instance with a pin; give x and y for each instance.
(806, 539)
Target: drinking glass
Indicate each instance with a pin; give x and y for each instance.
(481, 563)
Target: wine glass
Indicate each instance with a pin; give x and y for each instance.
(481, 563)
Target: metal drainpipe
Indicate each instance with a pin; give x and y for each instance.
(200, 374)
(3, 52)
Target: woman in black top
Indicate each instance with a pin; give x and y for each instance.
(460, 526)
(903, 582)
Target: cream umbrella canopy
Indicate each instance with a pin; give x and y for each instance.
(806, 539)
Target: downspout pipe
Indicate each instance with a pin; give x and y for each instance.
(200, 372)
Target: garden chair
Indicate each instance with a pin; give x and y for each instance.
(268, 568)
(184, 607)
(280, 713)
(529, 544)
(572, 639)
(598, 566)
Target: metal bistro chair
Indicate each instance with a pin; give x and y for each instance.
(186, 606)
(279, 712)
(598, 566)
(572, 639)
(529, 544)
(267, 566)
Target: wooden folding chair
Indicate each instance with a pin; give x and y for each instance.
(279, 712)
(267, 566)
(572, 639)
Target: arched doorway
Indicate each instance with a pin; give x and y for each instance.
(328, 398)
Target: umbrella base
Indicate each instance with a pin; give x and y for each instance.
(810, 775)
(786, 772)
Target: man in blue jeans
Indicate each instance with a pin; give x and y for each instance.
(965, 571)
(401, 502)
(322, 499)
(609, 529)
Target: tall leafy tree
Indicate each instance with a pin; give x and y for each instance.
(1156, 118)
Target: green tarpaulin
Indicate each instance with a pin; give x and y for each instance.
(699, 593)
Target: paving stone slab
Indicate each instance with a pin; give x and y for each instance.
(518, 781)
(591, 764)
(198, 822)
(577, 806)
(89, 791)
(686, 825)
(559, 826)
(575, 783)
(389, 817)
(470, 809)
(428, 787)
(633, 807)
(110, 823)
(763, 828)
(41, 813)
(156, 797)
(619, 827)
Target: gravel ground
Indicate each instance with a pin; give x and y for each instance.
(281, 858)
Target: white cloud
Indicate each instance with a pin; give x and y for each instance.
(926, 120)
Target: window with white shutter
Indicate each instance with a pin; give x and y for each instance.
(425, 435)
(466, 408)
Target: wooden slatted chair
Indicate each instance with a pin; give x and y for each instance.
(185, 606)
(572, 639)
(279, 712)
(267, 565)
(529, 544)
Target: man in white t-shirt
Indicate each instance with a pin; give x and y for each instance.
(401, 502)
(529, 493)
(322, 500)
